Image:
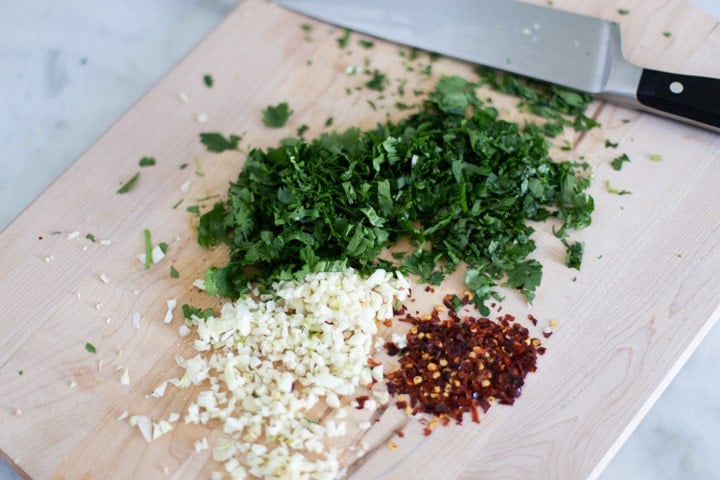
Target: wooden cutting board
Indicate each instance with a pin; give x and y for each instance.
(645, 297)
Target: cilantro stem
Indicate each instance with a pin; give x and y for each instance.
(148, 249)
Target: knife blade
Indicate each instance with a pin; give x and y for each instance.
(575, 51)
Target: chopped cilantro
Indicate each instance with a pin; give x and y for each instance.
(163, 247)
(366, 43)
(193, 209)
(614, 191)
(344, 40)
(217, 143)
(177, 204)
(617, 162)
(655, 157)
(90, 237)
(90, 347)
(147, 162)
(189, 311)
(377, 82)
(623, 11)
(183, 166)
(667, 34)
(302, 129)
(306, 27)
(174, 273)
(208, 80)
(462, 185)
(129, 184)
(573, 254)
(329, 121)
(609, 144)
(276, 116)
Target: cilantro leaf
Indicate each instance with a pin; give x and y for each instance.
(208, 81)
(573, 254)
(276, 116)
(90, 347)
(217, 143)
(129, 184)
(146, 162)
(617, 162)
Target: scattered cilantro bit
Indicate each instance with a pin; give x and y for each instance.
(189, 311)
(667, 34)
(20, 372)
(617, 162)
(129, 184)
(459, 183)
(177, 204)
(174, 273)
(147, 162)
(623, 11)
(573, 253)
(365, 43)
(193, 209)
(217, 143)
(163, 247)
(609, 144)
(329, 121)
(183, 166)
(198, 167)
(306, 27)
(302, 129)
(208, 80)
(656, 157)
(90, 237)
(377, 82)
(615, 191)
(276, 116)
(345, 39)
(90, 347)
(148, 249)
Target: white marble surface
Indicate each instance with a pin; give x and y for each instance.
(70, 69)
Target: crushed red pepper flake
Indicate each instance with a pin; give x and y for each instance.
(454, 365)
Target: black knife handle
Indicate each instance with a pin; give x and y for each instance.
(691, 97)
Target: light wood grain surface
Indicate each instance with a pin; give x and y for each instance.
(646, 295)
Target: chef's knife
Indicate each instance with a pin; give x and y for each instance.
(575, 51)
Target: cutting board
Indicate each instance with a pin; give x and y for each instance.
(646, 294)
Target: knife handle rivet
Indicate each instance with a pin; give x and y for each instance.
(677, 87)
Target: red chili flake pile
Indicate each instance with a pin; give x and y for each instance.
(455, 365)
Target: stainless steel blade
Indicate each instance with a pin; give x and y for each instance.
(543, 43)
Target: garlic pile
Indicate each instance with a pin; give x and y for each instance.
(273, 366)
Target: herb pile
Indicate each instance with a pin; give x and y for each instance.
(454, 179)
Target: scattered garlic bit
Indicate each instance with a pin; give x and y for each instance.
(18, 412)
(108, 320)
(202, 117)
(136, 320)
(144, 424)
(171, 304)
(123, 415)
(105, 243)
(399, 340)
(104, 278)
(199, 284)
(98, 306)
(160, 428)
(173, 417)
(183, 97)
(49, 258)
(73, 384)
(100, 365)
(201, 445)
(159, 390)
(256, 376)
(185, 187)
(157, 254)
(125, 377)
(73, 235)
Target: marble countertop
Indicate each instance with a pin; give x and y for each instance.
(70, 69)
